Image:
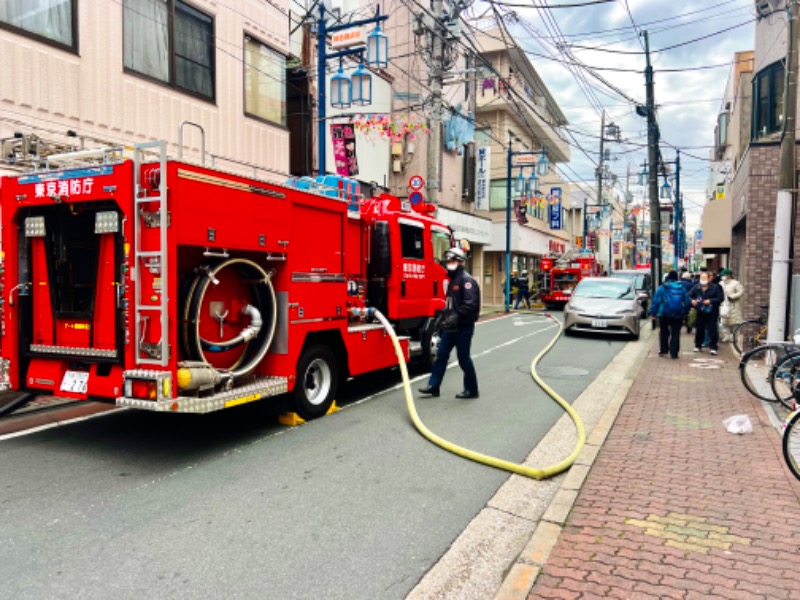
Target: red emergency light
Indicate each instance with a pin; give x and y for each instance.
(547, 264)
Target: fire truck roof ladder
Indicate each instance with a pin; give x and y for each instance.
(153, 259)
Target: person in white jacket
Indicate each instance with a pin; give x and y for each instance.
(733, 295)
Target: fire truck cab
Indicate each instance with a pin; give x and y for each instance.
(168, 286)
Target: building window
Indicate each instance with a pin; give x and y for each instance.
(171, 42)
(264, 82)
(768, 100)
(51, 21)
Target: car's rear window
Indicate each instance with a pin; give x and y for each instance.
(604, 288)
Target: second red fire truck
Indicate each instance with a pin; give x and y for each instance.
(561, 277)
(168, 286)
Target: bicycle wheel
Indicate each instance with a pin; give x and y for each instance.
(791, 444)
(785, 377)
(756, 370)
(747, 336)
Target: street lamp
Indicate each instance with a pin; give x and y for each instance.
(533, 184)
(542, 167)
(666, 190)
(346, 91)
(643, 175)
(519, 184)
(361, 82)
(378, 47)
(341, 89)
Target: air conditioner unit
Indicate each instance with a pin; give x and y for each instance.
(763, 7)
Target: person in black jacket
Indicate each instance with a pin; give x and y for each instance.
(463, 305)
(524, 293)
(706, 298)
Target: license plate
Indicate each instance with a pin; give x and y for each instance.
(599, 323)
(75, 382)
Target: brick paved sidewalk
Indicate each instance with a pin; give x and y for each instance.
(677, 507)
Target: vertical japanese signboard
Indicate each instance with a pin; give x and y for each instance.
(483, 165)
(344, 150)
(555, 207)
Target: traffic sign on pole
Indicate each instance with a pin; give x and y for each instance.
(416, 183)
(415, 198)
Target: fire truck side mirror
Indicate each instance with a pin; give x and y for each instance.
(380, 263)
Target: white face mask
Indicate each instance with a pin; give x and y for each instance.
(452, 265)
(703, 281)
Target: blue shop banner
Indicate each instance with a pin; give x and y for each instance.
(554, 202)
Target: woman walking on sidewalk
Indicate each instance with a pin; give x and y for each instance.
(706, 297)
(733, 291)
(670, 305)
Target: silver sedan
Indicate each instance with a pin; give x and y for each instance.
(603, 305)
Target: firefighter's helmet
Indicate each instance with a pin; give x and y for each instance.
(455, 254)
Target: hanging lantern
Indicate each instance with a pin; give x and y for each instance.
(643, 176)
(533, 184)
(543, 167)
(666, 191)
(519, 185)
(361, 81)
(377, 48)
(340, 89)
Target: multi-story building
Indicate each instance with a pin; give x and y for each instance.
(514, 106)
(731, 139)
(82, 74)
(754, 173)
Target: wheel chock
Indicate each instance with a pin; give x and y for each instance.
(292, 419)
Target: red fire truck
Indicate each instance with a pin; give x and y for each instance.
(169, 286)
(562, 275)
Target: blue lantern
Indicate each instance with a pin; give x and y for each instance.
(361, 81)
(519, 184)
(340, 89)
(543, 167)
(378, 48)
(643, 175)
(666, 190)
(533, 184)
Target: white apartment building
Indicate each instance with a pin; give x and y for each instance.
(84, 73)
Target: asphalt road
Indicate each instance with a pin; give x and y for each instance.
(232, 505)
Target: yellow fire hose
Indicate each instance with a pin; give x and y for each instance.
(491, 461)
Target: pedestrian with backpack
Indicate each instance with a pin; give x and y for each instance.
(670, 305)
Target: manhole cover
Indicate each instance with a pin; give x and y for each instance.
(561, 372)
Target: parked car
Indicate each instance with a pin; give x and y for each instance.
(643, 283)
(604, 305)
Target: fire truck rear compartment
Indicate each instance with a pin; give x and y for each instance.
(72, 310)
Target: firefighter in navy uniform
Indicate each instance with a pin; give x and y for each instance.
(457, 325)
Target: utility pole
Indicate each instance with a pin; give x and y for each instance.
(678, 213)
(784, 208)
(652, 159)
(600, 162)
(436, 74)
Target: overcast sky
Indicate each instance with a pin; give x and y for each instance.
(688, 101)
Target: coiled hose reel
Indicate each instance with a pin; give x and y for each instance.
(197, 373)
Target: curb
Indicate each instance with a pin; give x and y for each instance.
(523, 573)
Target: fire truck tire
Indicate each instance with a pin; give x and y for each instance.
(430, 344)
(317, 382)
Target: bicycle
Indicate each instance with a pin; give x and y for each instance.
(751, 333)
(763, 366)
(791, 443)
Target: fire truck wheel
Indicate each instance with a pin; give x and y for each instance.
(317, 381)
(430, 344)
